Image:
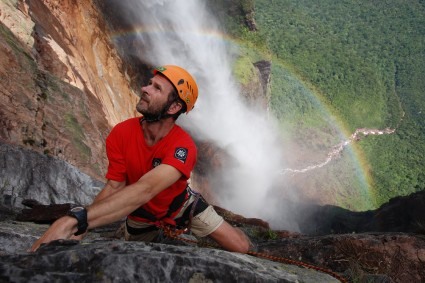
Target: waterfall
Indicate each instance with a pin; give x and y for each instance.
(184, 33)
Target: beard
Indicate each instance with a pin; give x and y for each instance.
(152, 113)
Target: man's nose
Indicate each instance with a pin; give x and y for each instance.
(144, 89)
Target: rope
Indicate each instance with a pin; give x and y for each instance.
(298, 263)
(173, 233)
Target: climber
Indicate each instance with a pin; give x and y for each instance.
(150, 161)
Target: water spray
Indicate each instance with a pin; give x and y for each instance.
(184, 33)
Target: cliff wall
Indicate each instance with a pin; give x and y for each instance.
(62, 82)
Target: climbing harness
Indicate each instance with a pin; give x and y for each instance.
(173, 232)
(176, 203)
(181, 224)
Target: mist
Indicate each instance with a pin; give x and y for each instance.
(184, 33)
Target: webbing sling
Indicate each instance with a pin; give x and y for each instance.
(196, 207)
(174, 206)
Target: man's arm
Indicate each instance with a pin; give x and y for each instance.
(110, 188)
(113, 205)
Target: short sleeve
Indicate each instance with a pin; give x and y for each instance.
(116, 167)
(182, 156)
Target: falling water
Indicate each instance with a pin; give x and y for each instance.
(183, 32)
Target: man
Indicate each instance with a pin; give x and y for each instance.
(150, 161)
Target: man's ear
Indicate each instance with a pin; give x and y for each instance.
(175, 107)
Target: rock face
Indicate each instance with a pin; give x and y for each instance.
(43, 178)
(118, 261)
(400, 214)
(265, 72)
(61, 82)
(369, 257)
(103, 256)
(256, 90)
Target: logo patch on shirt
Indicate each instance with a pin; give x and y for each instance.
(156, 162)
(181, 154)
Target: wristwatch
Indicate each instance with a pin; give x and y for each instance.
(79, 213)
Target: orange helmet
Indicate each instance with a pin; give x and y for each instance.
(183, 82)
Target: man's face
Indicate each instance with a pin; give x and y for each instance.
(154, 96)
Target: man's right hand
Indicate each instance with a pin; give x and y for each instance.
(79, 237)
(63, 228)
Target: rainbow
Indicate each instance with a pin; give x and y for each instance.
(204, 34)
(357, 156)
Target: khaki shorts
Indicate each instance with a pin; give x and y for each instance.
(202, 224)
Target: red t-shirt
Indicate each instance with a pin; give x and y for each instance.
(130, 158)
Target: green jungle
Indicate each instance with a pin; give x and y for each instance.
(359, 63)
